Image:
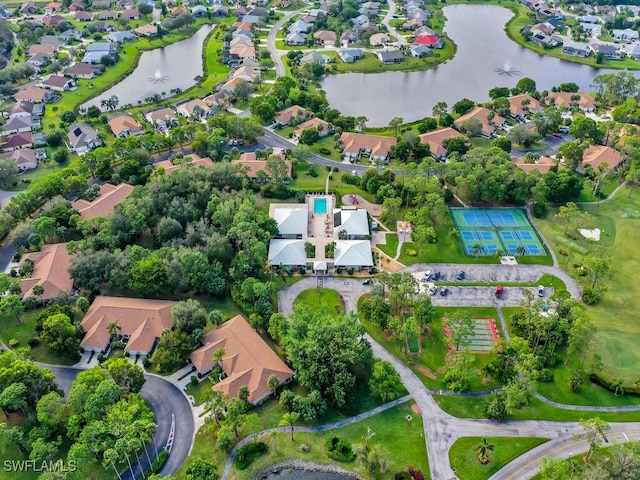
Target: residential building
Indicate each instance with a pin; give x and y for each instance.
(50, 270)
(193, 160)
(348, 37)
(295, 38)
(19, 124)
(141, 323)
(390, 57)
(45, 49)
(247, 361)
(162, 119)
(24, 108)
(609, 51)
(437, 140)
(122, 37)
(58, 83)
(17, 141)
(251, 19)
(431, 41)
(220, 11)
(357, 144)
(482, 115)
(250, 165)
(361, 22)
(83, 70)
(110, 196)
(596, 155)
(28, 8)
(350, 223)
(53, 7)
(82, 16)
(632, 50)
(109, 15)
(520, 105)
(292, 219)
(541, 164)
(37, 61)
(195, 109)
(582, 100)
(125, 125)
(51, 40)
(354, 254)
(325, 37)
(299, 27)
(219, 100)
(594, 29)
(131, 14)
(625, 35)
(52, 20)
(82, 138)
(419, 51)
(199, 11)
(104, 48)
(412, 24)
(350, 55)
(315, 57)
(24, 158)
(323, 128)
(575, 49)
(147, 30)
(378, 39)
(69, 35)
(78, 6)
(287, 252)
(294, 112)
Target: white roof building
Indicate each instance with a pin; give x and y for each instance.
(352, 253)
(292, 221)
(288, 252)
(354, 222)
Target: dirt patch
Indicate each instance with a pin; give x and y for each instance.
(416, 409)
(486, 381)
(423, 370)
(440, 371)
(449, 357)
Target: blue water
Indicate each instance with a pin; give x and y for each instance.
(320, 206)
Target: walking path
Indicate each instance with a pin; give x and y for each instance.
(312, 429)
(541, 236)
(605, 200)
(442, 430)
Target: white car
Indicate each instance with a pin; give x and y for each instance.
(541, 290)
(433, 290)
(427, 276)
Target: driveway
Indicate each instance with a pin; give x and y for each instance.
(6, 196)
(170, 407)
(552, 144)
(351, 290)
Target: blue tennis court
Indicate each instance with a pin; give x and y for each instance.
(503, 231)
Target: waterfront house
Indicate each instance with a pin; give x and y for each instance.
(437, 141)
(293, 113)
(575, 49)
(350, 55)
(390, 57)
(195, 109)
(582, 100)
(82, 138)
(315, 57)
(124, 125)
(357, 144)
(122, 37)
(431, 41)
(520, 105)
(609, 51)
(162, 119)
(482, 115)
(58, 83)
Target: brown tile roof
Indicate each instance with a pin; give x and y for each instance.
(355, 142)
(18, 140)
(196, 161)
(253, 165)
(142, 320)
(146, 30)
(82, 69)
(81, 15)
(242, 26)
(21, 156)
(313, 123)
(50, 271)
(44, 49)
(240, 41)
(596, 155)
(131, 13)
(480, 113)
(563, 99)
(32, 94)
(120, 123)
(325, 36)
(248, 360)
(243, 51)
(110, 196)
(516, 107)
(285, 116)
(542, 164)
(161, 115)
(56, 81)
(108, 14)
(436, 139)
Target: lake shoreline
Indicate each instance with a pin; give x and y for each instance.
(303, 466)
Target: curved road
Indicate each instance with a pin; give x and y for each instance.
(276, 56)
(169, 406)
(400, 40)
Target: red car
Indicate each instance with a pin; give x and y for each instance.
(557, 135)
(499, 291)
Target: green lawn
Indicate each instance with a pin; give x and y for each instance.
(608, 186)
(617, 339)
(391, 247)
(200, 391)
(471, 407)
(434, 349)
(463, 455)
(328, 300)
(11, 329)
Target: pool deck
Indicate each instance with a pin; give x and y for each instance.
(320, 231)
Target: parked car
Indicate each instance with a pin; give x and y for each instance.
(432, 290)
(460, 276)
(436, 276)
(367, 281)
(563, 129)
(499, 291)
(427, 276)
(557, 134)
(444, 291)
(541, 291)
(354, 173)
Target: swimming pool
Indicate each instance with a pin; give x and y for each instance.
(320, 206)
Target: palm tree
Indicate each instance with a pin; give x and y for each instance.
(273, 435)
(219, 354)
(113, 328)
(288, 420)
(617, 383)
(145, 431)
(521, 250)
(110, 456)
(477, 248)
(38, 290)
(273, 383)
(483, 449)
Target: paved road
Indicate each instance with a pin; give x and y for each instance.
(482, 297)
(276, 55)
(169, 406)
(552, 144)
(400, 40)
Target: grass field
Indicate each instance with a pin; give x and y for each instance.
(471, 407)
(328, 300)
(434, 349)
(617, 338)
(463, 455)
(391, 247)
(200, 391)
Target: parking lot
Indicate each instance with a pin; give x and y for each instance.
(482, 296)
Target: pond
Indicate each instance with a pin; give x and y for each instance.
(161, 70)
(486, 58)
(306, 475)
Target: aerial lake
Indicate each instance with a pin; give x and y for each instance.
(160, 70)
(484, 54)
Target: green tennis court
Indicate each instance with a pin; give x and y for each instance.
(485, 335)
(486, 231)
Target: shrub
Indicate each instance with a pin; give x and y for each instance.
(304, 448)
(146, 363)
(538, 210)
(101, 357)
(194, 380)
(350, 271)
(415, 473)
(545, 375)
(324, 151)
(340, 449)
(250, 452)
(411, 252)
(590, 296)
(350, 179)
(33, 341)
(328, 168)
(14, 342)
(403, 475)
(339, 270)
(159, 462)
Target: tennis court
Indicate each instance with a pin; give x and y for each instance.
(486, 231)
(485, 335)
